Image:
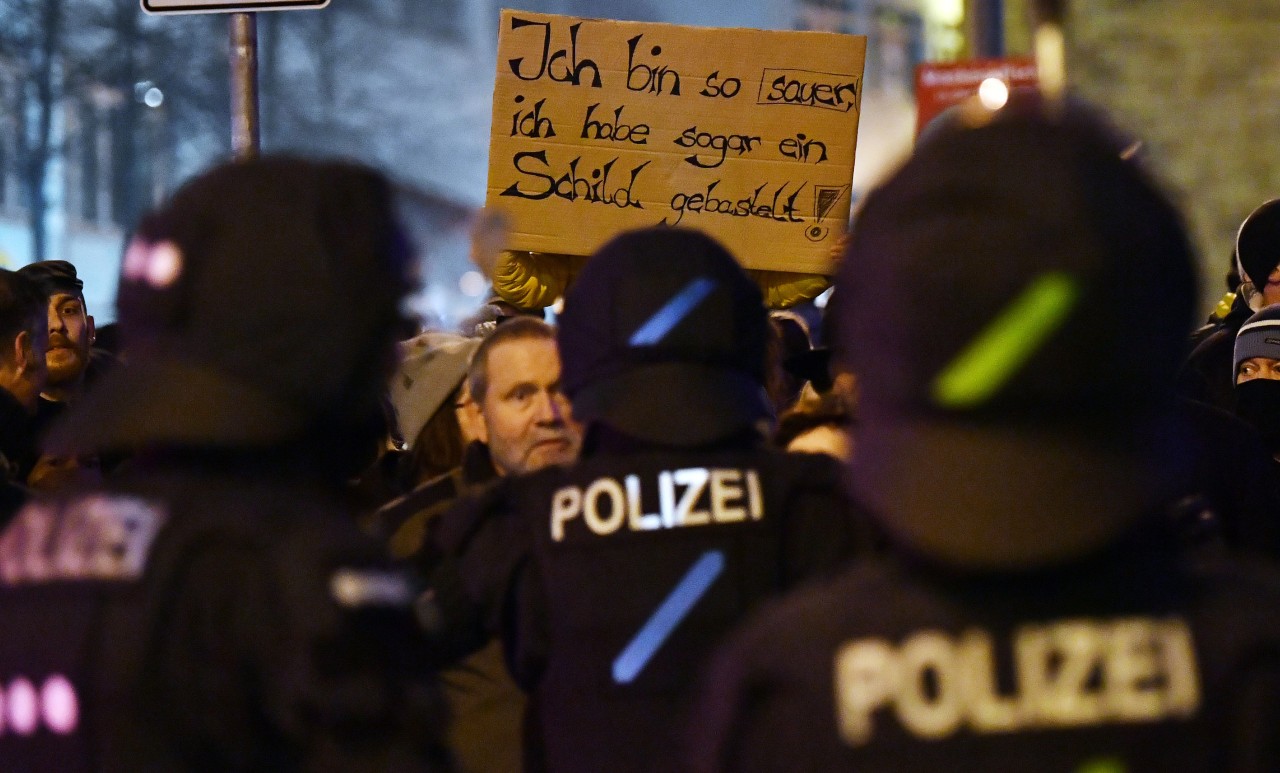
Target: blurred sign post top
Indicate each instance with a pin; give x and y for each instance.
(245, 134)
(940, 86)
(229, 6)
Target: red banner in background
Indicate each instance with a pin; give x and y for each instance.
(939, 86)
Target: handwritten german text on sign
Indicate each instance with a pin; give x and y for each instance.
(602, 126)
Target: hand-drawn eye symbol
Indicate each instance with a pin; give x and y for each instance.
(816, 233)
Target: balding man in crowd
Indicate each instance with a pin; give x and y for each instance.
(525, 424)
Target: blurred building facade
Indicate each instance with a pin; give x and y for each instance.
(1199, 83)
(406, 85)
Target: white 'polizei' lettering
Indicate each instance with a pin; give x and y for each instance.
(96, 537)
(1068, 673)
(690, 496)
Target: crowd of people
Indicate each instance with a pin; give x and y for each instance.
(1001, 510)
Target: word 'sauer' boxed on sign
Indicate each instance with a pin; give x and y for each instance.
(601, 126)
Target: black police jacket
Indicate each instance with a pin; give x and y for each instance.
(17, 438)
(486, 707)
(1130, 662)
(611, 581)
(228, 619)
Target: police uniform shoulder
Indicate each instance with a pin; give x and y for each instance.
(1244, 580)
(298, 518)
(818, 614)
(295, 524)
(476, 508)
(309, 550)
(805, 472)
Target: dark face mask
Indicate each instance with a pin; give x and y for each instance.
(1258, 403)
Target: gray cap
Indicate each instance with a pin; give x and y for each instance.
(432, 365)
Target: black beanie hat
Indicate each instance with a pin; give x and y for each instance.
(1012, 383)
(54, 276)
(663, 337)
(1259, 336)
(1258, 243)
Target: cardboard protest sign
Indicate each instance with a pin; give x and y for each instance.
(939, 86)
(601, 126)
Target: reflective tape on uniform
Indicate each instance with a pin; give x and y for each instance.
(23, 708)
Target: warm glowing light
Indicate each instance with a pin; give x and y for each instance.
(164, 265)
(948, 12)
(993, 93)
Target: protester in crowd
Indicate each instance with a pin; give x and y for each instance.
(216, 608)
(527, 422)
(1257, 375)
(520, 422)
(788, 339)
(1016, 443)
(23, 338)
(824, 420)
(1207, 376)
(525, 425)
(426, 394)
(424, 438)
(1230, 497)
(610, 580)
(73, 363)
(72, 359)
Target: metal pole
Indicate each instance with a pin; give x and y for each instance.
(986, 29)
(245, 141)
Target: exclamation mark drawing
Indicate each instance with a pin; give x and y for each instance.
(824, 201)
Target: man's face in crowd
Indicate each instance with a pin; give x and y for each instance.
(527, 421)
(70, 336)
(1258, 367)
(1271, 290)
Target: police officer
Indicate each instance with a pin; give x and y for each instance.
(1014, 443)
(611, 580)
(216, 607)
